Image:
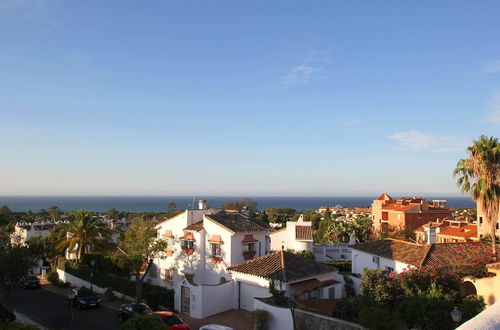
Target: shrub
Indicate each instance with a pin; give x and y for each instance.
(156, 297)
(53, 277)
(144, 322)
(348, 308)
(261, 319)
(471, 306)
(377, 287)
(379, 318)
(344, 266)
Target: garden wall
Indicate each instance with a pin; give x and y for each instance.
(309, 320)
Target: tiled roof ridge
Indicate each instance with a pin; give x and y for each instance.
(402, 241)
(427, 254)
(256, 259)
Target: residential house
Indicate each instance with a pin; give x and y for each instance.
(296, 236)
(24, 230)
(298, 277)
(482, 226)
(406, 213)
(447, 231)
(395, 255)
(203, 243)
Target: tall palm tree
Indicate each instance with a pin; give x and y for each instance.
(84, 234)
(479, 174)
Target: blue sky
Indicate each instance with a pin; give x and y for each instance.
(247, 98)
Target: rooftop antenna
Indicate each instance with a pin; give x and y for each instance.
(192, 204)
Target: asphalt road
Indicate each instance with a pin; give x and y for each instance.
(51, 310)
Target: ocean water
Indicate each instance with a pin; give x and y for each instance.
(160, 203)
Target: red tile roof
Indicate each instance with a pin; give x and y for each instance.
(432, 255)
(311, 284)
(198, 226)
(384, 197)
(466, 232)
(283, 266)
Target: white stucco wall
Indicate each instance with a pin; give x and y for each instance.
(329, 252)
(281, 318)
(217, 298)
(361, 260)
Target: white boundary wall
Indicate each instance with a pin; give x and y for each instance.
(78, 282)
(281, 317)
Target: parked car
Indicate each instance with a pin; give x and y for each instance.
(128, 310)
(31, 282)
(215, 327)
(172, 321)
(83, 298)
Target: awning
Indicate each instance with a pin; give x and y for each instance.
(249, 239)
(309, 285)
(188, 237)
(215, 239)
(168, 234)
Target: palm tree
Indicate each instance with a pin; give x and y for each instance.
(480, 175)
(84, 234)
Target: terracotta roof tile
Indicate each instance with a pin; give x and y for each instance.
(198, 226)
(324, 306)
(466, 232)
(283, 266)
(409, 253)
(432, 255)
(303, 232)
(384, 197)
(237, 223)
(457, 254)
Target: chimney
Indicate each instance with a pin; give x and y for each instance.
(202, 204)
(245, 210)
(430, 233)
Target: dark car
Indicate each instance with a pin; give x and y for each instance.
(83, 298)
(128, 310)
(31, 282)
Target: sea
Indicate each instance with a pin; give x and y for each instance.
(160, 203)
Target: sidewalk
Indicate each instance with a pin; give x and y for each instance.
(25, 319)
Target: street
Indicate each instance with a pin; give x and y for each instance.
(52, 310)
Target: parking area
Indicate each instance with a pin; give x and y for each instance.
(235, 318)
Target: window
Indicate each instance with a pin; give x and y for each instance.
(248, 247)
(187, 244)
(389, 269)
(168, 274)
(313, 294)
(480, 221)
(216, 251)
(497, 226)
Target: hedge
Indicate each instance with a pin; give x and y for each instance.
(154, 294)
(344, 266)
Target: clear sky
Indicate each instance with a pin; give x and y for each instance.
(243, 97)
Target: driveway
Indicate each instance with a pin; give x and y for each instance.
(52, 311)
(237, 319)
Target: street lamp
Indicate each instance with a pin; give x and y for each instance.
(456, 315)
(92, 264)
(71, 296)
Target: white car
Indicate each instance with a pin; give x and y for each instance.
(215, 327)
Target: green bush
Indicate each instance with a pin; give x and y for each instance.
(344, 266)
(379, 318)
(144, 322)
(261, 319)
(158, 296)
(53, 277)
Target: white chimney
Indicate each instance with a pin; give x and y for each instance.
(430, 234)
(202, 204)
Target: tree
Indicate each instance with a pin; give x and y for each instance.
(172, 207)
(479, 174)
(5, 215)
(84, 234)
(54, 212)
(239, 206)
(142, 246)
(15, 261)
(113, 213)
(324, 224)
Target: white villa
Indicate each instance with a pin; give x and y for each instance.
(296, 236)
(24, 230)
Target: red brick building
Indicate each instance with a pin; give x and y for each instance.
(407, 212)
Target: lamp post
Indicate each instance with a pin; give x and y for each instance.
(92, 264)
(71, 296)
(456, 316)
